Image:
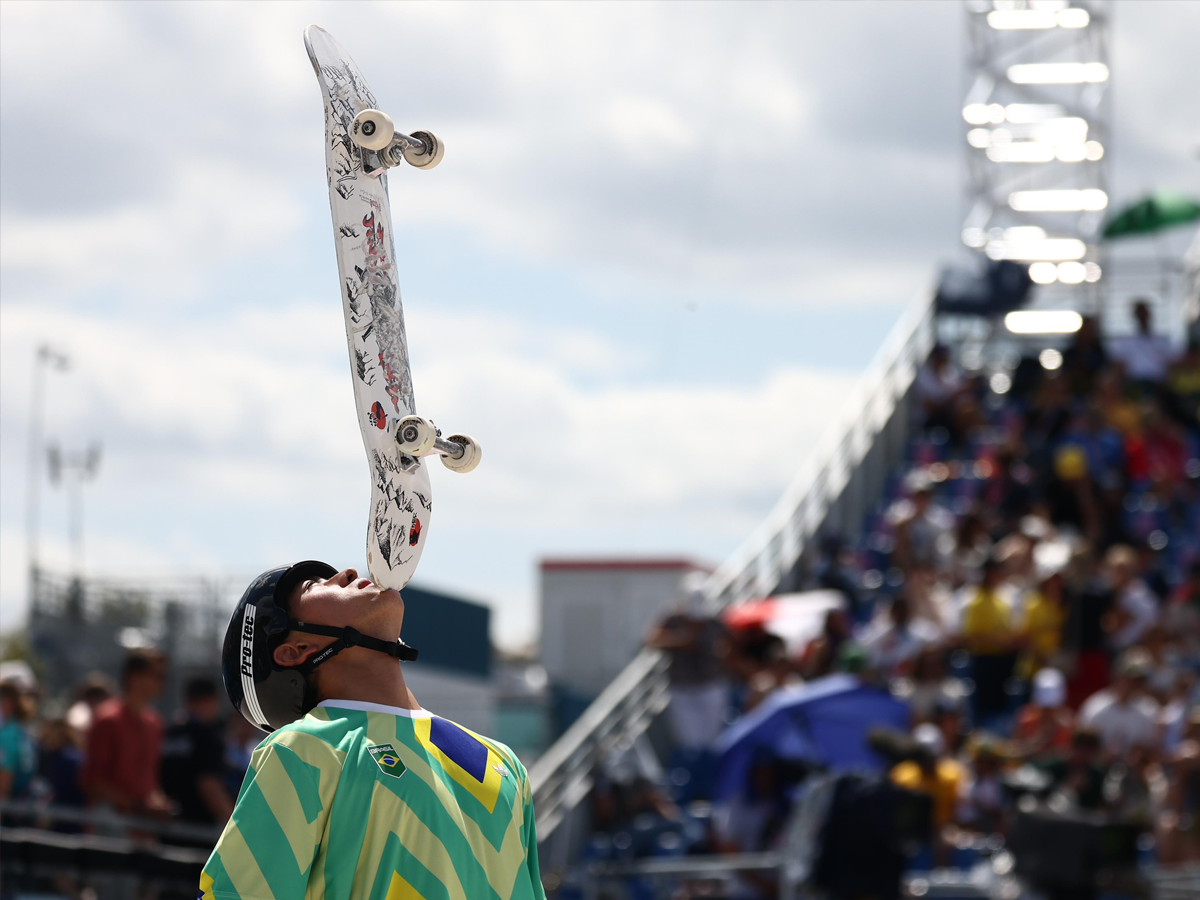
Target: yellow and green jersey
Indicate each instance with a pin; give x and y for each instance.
(358, 801)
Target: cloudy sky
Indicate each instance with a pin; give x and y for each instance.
(664, 240)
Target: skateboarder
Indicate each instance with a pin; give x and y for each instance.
(358, 792)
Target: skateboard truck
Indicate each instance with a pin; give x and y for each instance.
(417, 436)
(375, 133)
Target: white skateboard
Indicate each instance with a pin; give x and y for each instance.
(361, 144)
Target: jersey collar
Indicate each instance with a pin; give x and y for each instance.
(364, 706)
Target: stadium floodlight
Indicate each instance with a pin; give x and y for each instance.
(979, 138)
(983, 113)
(1051, 359)
(1043, 321)
(1043, 273)
(1058, 73)
(1071, 272)
(1070, 200)
(1024, 113)
(1057, 249)
(1014, 19)
(1005, 19)
(1022, 151)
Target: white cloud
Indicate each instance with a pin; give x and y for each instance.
(219, 421)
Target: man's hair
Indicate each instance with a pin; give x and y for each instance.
(199, 688)
(21, 700)
(141, 660)
(95, 687)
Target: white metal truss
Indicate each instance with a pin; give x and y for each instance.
(1035, 125)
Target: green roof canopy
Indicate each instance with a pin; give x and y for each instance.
(1159, 210)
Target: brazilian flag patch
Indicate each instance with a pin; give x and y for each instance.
(387, 759)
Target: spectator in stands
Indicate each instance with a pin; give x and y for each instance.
(935, 773)
(59, 762)
(1183, 387)
(18, 751)
(768, 670)
(938, 385)
(753, 820)
(1145, 355)
(1158, 452)
(697, 645)
(1175, 709)
(1135, 608)
(193, 757)
(1130, 788)
(989, 636)
(1178, 830)
(820, 657)
(1119, 411)
(837, 570)
(96, 688)
(1182, 614)
(124, 743)
(1045, 725)
(240, 740)
(929, 688)
(893, 638)
(1124, 715)
(1078, 777)
(1085, 358)
(1042, 622)
(984, 805)
(1166, 665)
(924, 529)
(972, 546)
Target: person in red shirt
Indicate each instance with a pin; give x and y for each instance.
(124, 744)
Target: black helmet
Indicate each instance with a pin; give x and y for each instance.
(267, 694)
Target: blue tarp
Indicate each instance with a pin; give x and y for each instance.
(824, 723)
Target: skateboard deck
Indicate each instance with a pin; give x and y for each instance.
(401, 496)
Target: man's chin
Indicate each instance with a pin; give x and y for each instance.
(389, 595)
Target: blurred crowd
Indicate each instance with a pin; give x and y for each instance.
(1030, 589)
(109, 750)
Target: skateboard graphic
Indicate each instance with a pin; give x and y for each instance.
(361, 144)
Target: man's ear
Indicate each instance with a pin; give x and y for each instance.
(294, 651)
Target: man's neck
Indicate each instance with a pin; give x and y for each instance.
(368, 676)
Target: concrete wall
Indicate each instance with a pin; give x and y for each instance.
(595, 615)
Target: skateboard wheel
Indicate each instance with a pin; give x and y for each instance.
(472, 453)
(372, 129)
(415, 435)
(431, 157)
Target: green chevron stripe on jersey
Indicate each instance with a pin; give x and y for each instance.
(324, 813)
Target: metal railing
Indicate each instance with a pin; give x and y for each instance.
(838, 483)
(108, 821)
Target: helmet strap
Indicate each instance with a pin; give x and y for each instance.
(348, 637)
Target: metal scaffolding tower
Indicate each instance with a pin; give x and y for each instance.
(1036, 127)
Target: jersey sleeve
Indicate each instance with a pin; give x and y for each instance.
(531, 844)
(267, 849)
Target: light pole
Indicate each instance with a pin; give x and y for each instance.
(46, 357)
(80, 467)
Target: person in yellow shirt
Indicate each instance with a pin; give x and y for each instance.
(1042, 625)
(940, 777)
(990, 636)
